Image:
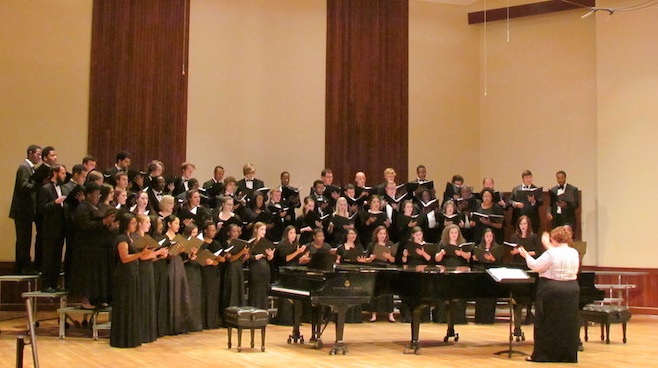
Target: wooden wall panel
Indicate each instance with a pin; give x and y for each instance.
(138, 88)
(367, 88)
(643, 299)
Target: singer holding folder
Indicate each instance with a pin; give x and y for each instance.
(556, 322)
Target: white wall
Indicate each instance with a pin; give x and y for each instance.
(257, 87)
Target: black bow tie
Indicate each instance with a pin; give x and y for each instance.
(249, 181)
(560, 187)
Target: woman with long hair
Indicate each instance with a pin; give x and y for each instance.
(180, 307)
(262, 253)
(381, 250)
(126, 309)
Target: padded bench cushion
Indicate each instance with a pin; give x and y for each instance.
(609, 313)
(246, 316)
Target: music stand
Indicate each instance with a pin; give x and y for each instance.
(510, 277)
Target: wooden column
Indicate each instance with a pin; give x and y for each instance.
(367, 88)
(138, 88)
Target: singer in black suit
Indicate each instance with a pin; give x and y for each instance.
(23, 207)
(121, 164)
(52, 206)
(526, 207)
(565, 200)
(181, 184)
(249, 184)
(156, 191)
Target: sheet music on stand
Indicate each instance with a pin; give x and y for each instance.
(508, 275)
(505, 275)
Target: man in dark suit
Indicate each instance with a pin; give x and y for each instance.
(565, 200)
(452, 188)
(215, 186)
(526, 205)
(181, 184)
(156, 191)
(249, 184)
(41, 173)
(121, 164)
(23, 208)
(52, 206)
(41, 177)
(74, 191)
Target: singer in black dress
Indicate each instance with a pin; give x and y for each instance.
(371, 219)
(451, 255)
(224, 216)
(211, 278)
(194, 282)
(160, 276)
(233, 292)
(148, 320)
(485, 308)
(308, 222)
(382, 251)
(351, 251)
(126, 309)
(288, 253)
(340, 223)
(262, 252)
(180, 305)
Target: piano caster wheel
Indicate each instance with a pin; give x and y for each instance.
(413, 346)
(445, 339)
(338, 349)
(456, 337)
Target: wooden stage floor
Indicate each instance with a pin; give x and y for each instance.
(377, 344)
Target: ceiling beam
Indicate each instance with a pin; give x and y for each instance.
(528, 9)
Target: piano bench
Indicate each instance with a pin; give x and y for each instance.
(246, 318)
(605, 315)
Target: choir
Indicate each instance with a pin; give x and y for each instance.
(170, 254)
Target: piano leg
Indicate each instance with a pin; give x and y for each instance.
(417, 312)
(450, 316)
(296, 336)
(317, 314)
(339, 346)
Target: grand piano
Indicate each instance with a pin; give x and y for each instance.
(418, 287)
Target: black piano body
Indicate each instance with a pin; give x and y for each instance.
(418, 287)
(339, 289)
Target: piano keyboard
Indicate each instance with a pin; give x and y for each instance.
(291, 291)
